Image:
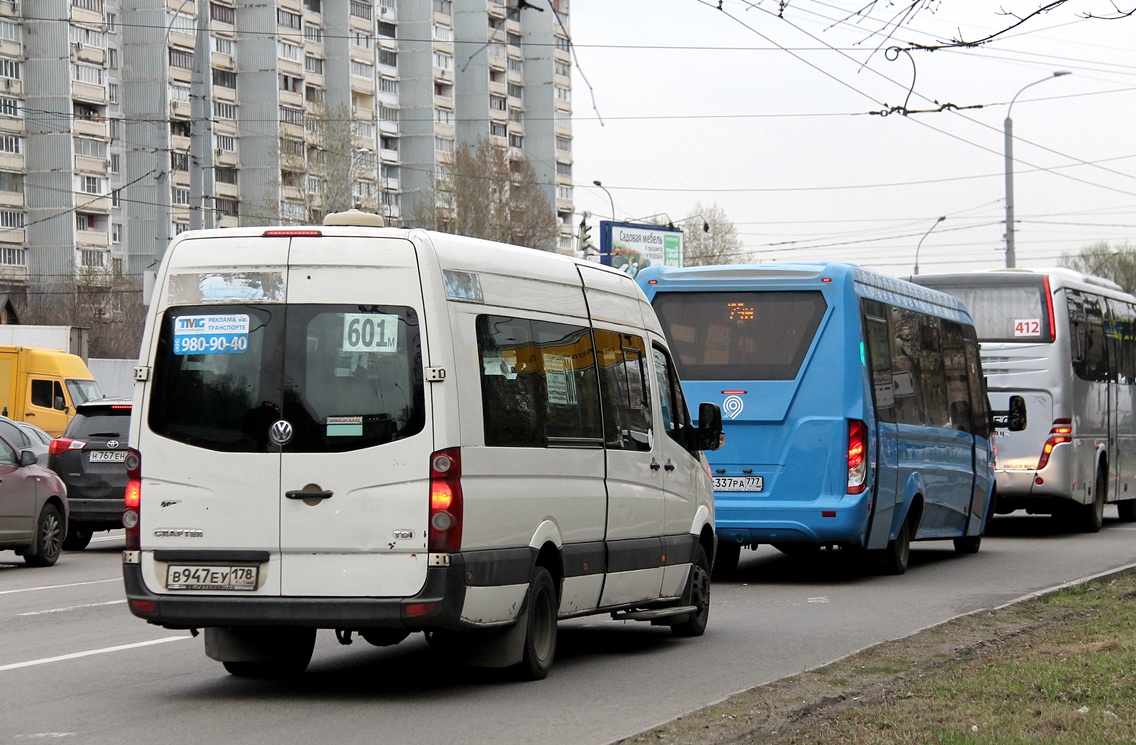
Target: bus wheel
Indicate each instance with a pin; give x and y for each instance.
(1092, 514)
(968, 544)
(726, 560)
(539, 617)
(896, 555)
(1127, 510)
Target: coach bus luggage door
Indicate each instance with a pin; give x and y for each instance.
(887, 432)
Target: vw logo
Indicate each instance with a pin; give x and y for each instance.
(281, 431)
(112, 444)
(732, 406)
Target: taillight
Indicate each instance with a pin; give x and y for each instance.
(61, 445)
(1049, 311)
(132, 512)
(857, 456)
(1061, 431)
(445, 501)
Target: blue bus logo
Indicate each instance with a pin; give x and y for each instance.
(732, 406)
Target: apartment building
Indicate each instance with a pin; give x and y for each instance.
(125, 122)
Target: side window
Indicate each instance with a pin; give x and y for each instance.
(879, 359)
(14, 434)
(978, 402)
(1123, 329)
(624, 390)
(7, 455)
(538, 384)
(676, 415)
(59, 401)
(1089, 346)
(905, 366)
(958, 389)
(41, 393)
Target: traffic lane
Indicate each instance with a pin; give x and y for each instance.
(611, 679)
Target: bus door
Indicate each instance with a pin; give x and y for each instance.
(983, 450)
(885, 496)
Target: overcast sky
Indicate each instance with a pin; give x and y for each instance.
(676, 102)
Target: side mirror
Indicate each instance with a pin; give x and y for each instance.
(27, 458)
(709, 427)
(1014, 418)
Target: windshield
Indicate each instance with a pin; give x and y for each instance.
(83, 391)
(345, 377)
(740, 335)
(1003, 309)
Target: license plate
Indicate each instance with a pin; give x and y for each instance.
(738, 483)
(197, 577)
(108, 456)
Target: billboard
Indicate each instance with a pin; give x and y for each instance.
(630, 247)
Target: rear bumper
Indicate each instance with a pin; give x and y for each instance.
(843, 520)
(106, 511)
(437, 605)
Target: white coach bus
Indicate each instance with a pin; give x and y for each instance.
(1066, 341)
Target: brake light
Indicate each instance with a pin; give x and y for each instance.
(445, 501)
(1060, 432)
(857, 456)
(292, 233)
(132, 507)
(61, 445)
(1049, 308)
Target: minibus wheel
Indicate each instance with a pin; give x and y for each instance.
(695, 623)
(540, 626)
(898, 552)
(968, 544)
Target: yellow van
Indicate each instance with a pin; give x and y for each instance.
(43, 386)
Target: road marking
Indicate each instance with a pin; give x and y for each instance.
(56, 587)
(71, 607)
(88, 653)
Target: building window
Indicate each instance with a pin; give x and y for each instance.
(564, 192)
(443, 61)
(12, 219)
(87, 37)
(387, 85)
(227, 207)
(178, 195)
(313, 33)
(289, 115)
(443, 145)
(388, 113)
(181, 58)
(10, 106)
(92, 185)
(223, 45)
(442, 33)
(313, 94)
(516, 141)
(116, 198)
(387, 30)
(388, 57)
(313, 64)
(497, 103)
(225, 143)
(497, 130)
(445, 7)
(287, 51)
(516, 115)
(222, 13)
(516, 91)
(513, 39)
(362, 10)
(443, 116)
(291, 84)
(515, 64)
(287, 19)
(224, 110)
(115, 163)
(9, 68)
(389, 143)
(112, 92)
(226, 175)
(224, 78)
(93, 259)
(10, 144)
(90, 148)
(564, 169)
(362, 70)
(361, 40)
(116, 232)
(183, 23)
(562, 93)
(562, 68)
(561, 43)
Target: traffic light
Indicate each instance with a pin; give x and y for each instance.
(584, 239)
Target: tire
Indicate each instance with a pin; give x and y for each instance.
(48, 538)
(1091, 516)
(293, 652)
(695, 623)
(894, 558)
(540, 611)
(78, 537)
(726, 562)
(968, 544)
(1126, 510)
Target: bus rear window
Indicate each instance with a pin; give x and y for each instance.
(1001, 310)
(740, 335)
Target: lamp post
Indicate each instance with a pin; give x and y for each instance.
(605, 191)
(1008, 130)
(920, 244)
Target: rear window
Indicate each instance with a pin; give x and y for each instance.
(345, 377)
(1002, 308)
(740, 335)
(102, 422)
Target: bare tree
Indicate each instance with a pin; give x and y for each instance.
(490, 193)
(1102, 260)
(709, 237)
(109, 305)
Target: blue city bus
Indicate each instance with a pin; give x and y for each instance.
(854, 407)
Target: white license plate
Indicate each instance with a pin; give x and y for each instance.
(198, 577)
(738, 483)
(108, 456)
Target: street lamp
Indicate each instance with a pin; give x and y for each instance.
(920, 245)
(1008, 129)
(597, 183)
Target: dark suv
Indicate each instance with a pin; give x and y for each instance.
(89, 458)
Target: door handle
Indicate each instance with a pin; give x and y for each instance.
(669, 466)
(301, 494)
(655, 465)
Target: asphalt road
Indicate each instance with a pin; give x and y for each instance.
(75, 665)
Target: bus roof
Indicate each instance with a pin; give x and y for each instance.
(865, 282)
